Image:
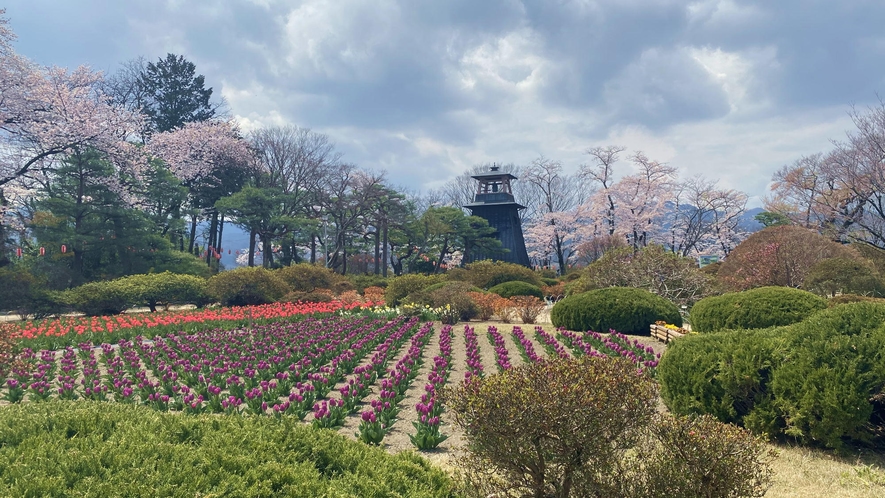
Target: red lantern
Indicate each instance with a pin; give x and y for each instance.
(42, 251)
(18, 252)
(64, 248)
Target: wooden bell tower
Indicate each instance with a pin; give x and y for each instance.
(495, 203)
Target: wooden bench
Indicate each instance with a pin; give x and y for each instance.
(664, 334)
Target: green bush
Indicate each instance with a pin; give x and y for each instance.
(550, 281)
(826, 387)
(360, 282)
(164, 289)
(722, 374)
(818, 381)
(305, 277)
(844, 276)
(626, 310)
(852, 298)
(517, 288)
(574, 427)
(16, 288)
(452, 297)
(402, 286)
(100, 298)
(487, 274)
(96, 449)
(454, 284)
(653, 268)
(246, 286)
(457, 300)
(754, 309)
(44, 303)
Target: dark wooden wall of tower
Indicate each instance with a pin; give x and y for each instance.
(504, 218)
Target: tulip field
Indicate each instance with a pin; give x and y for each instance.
(376, 379)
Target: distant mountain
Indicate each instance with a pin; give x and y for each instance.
(748, 221)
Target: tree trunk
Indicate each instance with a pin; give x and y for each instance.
(377, 262)
(252, 248)
(267, 251)
(193, 236)
(386, 255)
(212, 244)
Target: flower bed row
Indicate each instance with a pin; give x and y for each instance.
(57, 333)
(612, 344)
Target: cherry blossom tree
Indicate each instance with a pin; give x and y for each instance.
(202, 154)
(601, 172)
(704, 218)
(555, 196)
(640, 200)
(45, 113)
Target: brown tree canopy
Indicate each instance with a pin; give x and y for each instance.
(779, 255)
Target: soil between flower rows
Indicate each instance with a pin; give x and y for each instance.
(398, 438)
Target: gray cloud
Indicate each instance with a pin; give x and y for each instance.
(424, 89)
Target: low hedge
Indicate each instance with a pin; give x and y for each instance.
(624, 309)
(819, 381)
(247, 286)
(100, 298)
(402, 286)
(96, 449)
(163, 289)
(517, 288)
(754, 309)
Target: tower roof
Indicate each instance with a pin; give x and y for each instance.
(494, 173)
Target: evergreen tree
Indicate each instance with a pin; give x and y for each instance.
(174, 94)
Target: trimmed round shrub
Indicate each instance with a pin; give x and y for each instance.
(828, 387)
(100, 298)
(754, 309)
(361, 282)
(516, 288)
(833, 276)
(402, 286)
(818, 381)
(455, 285)
(487, 274)
(247, 286)
(163, 289)
(722, 374)
(626, 310)
(852, 298)
(305, 277)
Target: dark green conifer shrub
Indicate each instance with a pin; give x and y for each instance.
(754, 309)
(516, 288)
(626, 310)
(819, 381)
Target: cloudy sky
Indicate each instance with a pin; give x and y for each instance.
(424, 89)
